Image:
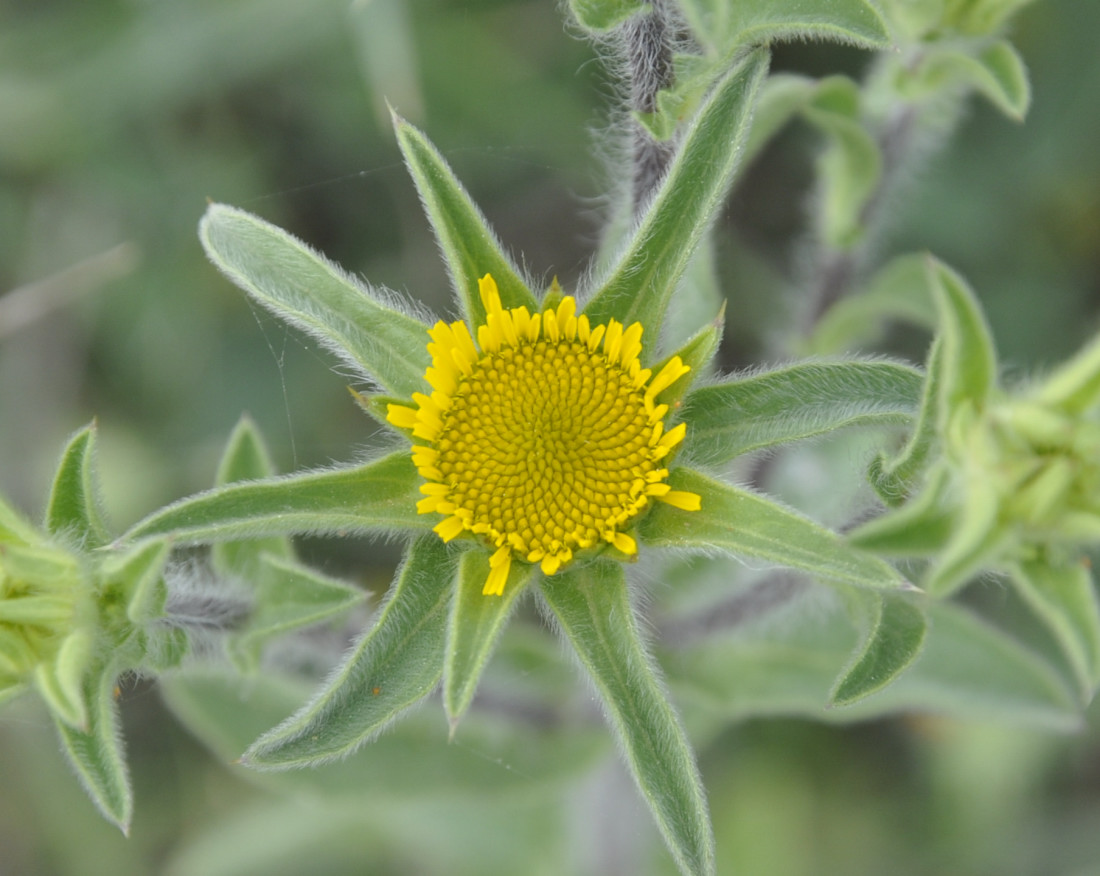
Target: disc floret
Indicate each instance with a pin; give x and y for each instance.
(545, 439)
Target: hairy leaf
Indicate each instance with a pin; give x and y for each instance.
(397, 663)
(97, 755)
(796, 402)
(750, 525)
(592, 608)
(1064, 597)
(643, 280)
(73, 507)
(475, 625)
(379, 495)
(357, 323)
(469, 246)
(894, 639)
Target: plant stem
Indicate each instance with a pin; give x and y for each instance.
(648, 40)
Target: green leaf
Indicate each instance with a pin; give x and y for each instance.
(73, 507)
(1064, 598)
(643, 280)
(895, 478)
(379, 495)
(920, 527)
(363, 326)
(593, 611)
(14, 528)
(61, 681)
(395, 665)
(227, 712)
(750, 525)
(246, 458)
(967, 669)
(602, 15)
(727, 25)
(474, 628)
(899, 291)
(136, 573)
(97, 755)
(799, 401)
(288, 595)
(977, 538)
(782, 96)
(848, 170)
(997, 72)
(469, 246)
(894, 640)
(1075, 385)
(969, 360)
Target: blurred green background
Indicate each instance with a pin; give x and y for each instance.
(119, 119)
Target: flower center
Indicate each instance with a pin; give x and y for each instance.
(546, 441)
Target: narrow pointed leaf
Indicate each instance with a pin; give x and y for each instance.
(856, 22)
(380, 495)
(921, 527)
(641, 283)
(73, 507)
(61, 682)
(361, 325)
(976, 539)
(967, 669)
(1075, 385)
(288, 595)
(97, 755)
(397, 663)
(894, 478)
(469, 246)
(750, 525)
(894, 640)
(849, 170)
(997, 73)
(897, 292)
(592, 608)
(475, 626)
(246, 458)
(969, 360)
(13, 526)
(1064, 597)
(799, 401)
(137, 574)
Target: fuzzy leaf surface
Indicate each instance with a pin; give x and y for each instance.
(894, 640)
(413, 761)
(353, 321)
(469, 246)
(969, 360)
(800, 401)
(593, 611)
(968, 669)
(475, 625)
(725, 25)
(73, 506)
(288, 595)
(1064, 597)
(246, 458)
(97, 755)
(643, 280)
(377, 495)
(397, 663)
(747, 524)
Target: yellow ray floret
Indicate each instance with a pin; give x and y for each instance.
(544, 439)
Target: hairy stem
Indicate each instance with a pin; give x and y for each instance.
(648, 43)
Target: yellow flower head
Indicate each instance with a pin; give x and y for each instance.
(545, 438)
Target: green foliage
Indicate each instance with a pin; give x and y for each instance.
(839, 603)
